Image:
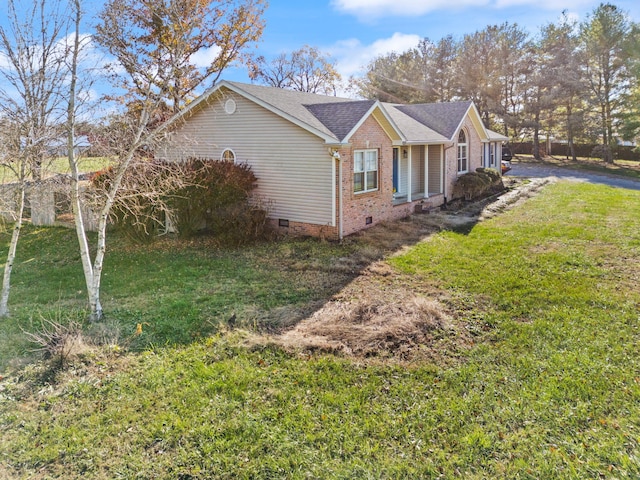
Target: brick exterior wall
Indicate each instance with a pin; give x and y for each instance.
(377, 206)
(298, 229)
(474, 146)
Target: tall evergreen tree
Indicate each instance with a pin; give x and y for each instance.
(604, 40)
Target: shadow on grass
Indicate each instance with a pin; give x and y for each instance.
(176, 292)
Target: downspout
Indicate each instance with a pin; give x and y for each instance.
(443, 173)
(409, 174)
(444, 170)
(340, 210)
(335, 155)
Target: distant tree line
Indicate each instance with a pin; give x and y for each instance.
(576, 81)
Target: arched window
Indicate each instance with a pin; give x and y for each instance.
(228, 156)
(463, 153)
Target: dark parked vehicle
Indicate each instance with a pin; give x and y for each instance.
(506, 154)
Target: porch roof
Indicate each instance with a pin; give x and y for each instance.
(414, 132)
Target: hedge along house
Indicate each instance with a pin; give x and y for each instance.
(330, 166)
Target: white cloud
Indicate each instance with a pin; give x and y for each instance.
(205, 57)
(370, 9)
(543, 4)
(374, 9)
(352, 56)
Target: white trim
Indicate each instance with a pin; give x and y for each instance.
(493, 154)
(222, 159)
(443, 168)
(341, 209)
(426, 171)
(465, 144)
(409, 173)
(365, 171)
(333, 184)
(484, 134)
(369, 113)
(230, 106)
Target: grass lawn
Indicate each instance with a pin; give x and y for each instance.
(61, 165)
(549, 387)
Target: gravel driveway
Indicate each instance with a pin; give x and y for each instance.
(540, 170)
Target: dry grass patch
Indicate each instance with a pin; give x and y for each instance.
(381, 315)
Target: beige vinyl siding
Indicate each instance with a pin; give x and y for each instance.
(293, 167)
(435, 169)
(417, 169)
(403, 171)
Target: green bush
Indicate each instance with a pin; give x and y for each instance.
(199, 195)
(212, 188)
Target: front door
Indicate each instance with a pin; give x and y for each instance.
(395, 169)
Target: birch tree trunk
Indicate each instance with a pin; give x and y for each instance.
(93, 291)
(13, 246)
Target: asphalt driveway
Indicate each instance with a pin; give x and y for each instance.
(540, 170)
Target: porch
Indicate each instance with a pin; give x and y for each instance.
(418, 172)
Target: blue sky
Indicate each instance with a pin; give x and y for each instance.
(356, 31)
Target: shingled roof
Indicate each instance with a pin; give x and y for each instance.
(294, 104)
(444, 118)
(334, 118)
(341, 117)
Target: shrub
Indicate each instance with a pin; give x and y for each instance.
(211, 188)
(476, 184)
(603, 152)
(492, 173)
(197, 195)
(57, 341)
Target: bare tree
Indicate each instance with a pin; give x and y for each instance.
(304, 70)
(32, 74)
(151, 56)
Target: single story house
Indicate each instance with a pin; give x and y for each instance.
(330, 166)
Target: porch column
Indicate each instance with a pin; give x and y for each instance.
(426, 171)
(409, 175)
(443, 168)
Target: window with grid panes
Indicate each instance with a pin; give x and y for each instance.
(365, 171)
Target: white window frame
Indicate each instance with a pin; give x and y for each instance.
(365, 163)
(463, 153)
(492, 149)
(230, 160)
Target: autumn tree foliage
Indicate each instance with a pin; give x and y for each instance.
(170, 48)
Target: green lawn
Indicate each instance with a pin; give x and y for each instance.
(61, 165)
(177, 292)
(550, 387)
